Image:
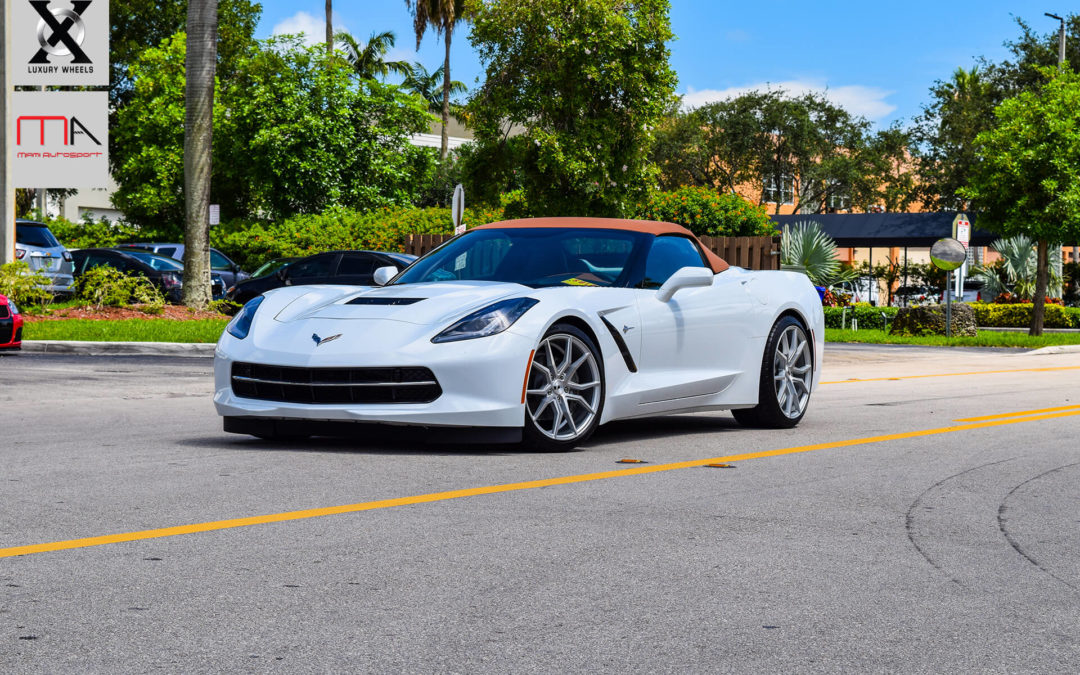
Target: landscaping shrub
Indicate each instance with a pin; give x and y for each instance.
(385, 229)
(24, 288)
(930, 320)
(94, 234)
(868, 315)
(706, 212)
(1018, 315)
(108, 286)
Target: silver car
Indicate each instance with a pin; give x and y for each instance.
(36, 245)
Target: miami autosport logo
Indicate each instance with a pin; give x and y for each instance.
(61, 32)
(61, 138)
(67, 129)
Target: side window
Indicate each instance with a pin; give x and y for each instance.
(168, 252)
(94, 260)
(217, 261)
(355, 265)
(667, 256)
(317, 267)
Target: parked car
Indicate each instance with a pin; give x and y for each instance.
(165, 273)
(354, 268)
(36, 245)
(219, 262)
(11, 324)
(271, 266)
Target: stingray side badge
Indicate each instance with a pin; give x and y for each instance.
(321, 341)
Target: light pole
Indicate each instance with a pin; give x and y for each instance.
(1061, 63)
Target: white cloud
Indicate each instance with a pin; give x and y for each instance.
(312, 27)
(856, 99)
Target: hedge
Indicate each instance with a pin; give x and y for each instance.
(251, 244)
(1019, 315)
(868, 315)
(986, 315)
(705, 211)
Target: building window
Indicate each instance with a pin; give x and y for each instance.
(837, 201)
(784, 193)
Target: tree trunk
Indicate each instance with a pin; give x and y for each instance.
(329, 27)
(446, 99)
(1042, 273)
(200, 62)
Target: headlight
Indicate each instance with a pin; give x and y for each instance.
(240, 326)
(14, 309)
(490, 320)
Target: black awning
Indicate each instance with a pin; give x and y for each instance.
(880, 230)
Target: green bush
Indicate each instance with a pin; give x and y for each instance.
(868, 315)
(108, 286)
(251, 244)
(1018, 315)
(706, 212)
(22, 286)
(93, 234)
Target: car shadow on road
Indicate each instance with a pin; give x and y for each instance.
(391, 443)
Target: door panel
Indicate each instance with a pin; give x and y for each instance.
(697, 342)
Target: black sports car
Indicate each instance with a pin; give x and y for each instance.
(353, 268)
(165, 273)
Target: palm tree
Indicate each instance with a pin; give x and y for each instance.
(1016, 271)
(201, 59)
(429, 86)
(367, 60)
(329, 27)
(442, 16)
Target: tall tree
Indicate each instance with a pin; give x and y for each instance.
(960, 109)
(329, 27)
(587, 82)
(1026, 180)
(198, 137)
(442, 16)
(369, 60)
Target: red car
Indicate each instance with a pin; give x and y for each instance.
(11, 323)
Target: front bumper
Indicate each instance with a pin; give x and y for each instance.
(481, 380)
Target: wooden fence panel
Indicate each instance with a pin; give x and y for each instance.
(754, 253)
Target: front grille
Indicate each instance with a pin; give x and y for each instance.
(334, 385)
(5, 332)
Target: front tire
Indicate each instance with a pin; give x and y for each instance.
(564, 392)
(787, 374)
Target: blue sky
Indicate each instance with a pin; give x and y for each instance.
(876, 59)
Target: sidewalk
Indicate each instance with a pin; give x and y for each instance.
(118, 348)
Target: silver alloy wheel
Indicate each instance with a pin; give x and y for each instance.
(563, 391)
(792, 372)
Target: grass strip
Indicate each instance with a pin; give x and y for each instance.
(126, 330)
(985, 338)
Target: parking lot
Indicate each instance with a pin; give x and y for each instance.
(923, 517)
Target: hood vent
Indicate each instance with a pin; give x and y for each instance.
(363, 300)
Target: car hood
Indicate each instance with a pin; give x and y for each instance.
(428, 304)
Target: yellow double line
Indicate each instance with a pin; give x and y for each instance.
(976, 372)
(973, 423)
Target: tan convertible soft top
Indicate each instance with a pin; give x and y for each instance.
(653, 227)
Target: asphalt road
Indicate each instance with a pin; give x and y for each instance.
(880, 535)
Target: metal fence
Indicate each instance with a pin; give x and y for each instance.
(754, 253)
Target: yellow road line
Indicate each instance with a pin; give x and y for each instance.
(1017, 414)
(491, 489)
(974, 372)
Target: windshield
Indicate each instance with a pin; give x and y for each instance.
(270, 267)
(542, 256)
(35, 235)
(158, 262)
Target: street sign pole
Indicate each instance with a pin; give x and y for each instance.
(948, 305)
(7, 189)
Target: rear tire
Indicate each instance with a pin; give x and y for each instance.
(787, 373)
(564, 390)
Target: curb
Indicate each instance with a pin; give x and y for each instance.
(118, 348)
(1054, 349)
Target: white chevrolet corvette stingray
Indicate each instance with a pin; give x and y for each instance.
(537, 330)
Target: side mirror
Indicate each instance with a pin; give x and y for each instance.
(385, 274)
(687, 277)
